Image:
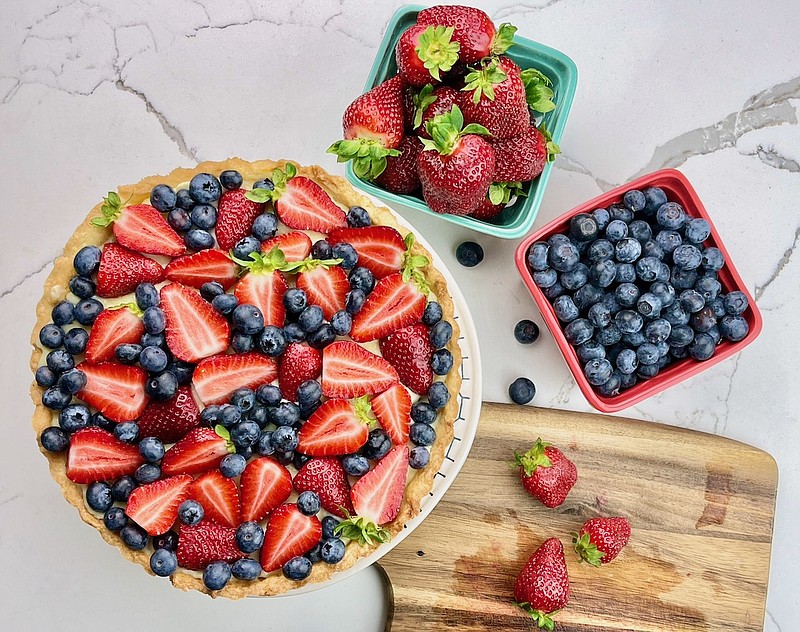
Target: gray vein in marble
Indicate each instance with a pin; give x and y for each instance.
(720, 425)
(8, 291)
(565, 163)
(787, 255)
(522, 9)
(562, 397)
(5, 501)
(774, 621)
(773, 158)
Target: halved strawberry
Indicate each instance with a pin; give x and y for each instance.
(216, 378)
(263, 286)
(218, 496)
(116, 390)
(195, 330)
(393, 410)
(298, 364)
(154, 507)
(200, 450)
(337, 427)
(121, 270)
(393, 304)
(409, 350)
(349, 370)
(96, 455)
(295, 245)
(201, 267)
(172, 419)
(266, 484)
(289, 534)
(325, 286)
(377, 495)
(113, 326)
(379, 248)
(140, 227)
(235, 216)
(326, 478)
(204, 543)
(306, 206)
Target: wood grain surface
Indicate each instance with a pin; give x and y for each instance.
(701, 509)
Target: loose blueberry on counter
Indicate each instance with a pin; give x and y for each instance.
(163, 198)
(361, 278)
(469, 254)
(231, 179)
(63, 313)
(440, 334)
(75, 340)
(72, 381)
(204, 216)
(321, 249)
(264, 445)
(578, 331)
(98, 496)
(246, 568)
(87, 310)
(284, 439)
(308, 503)
(332, 551)
(153, 359)
(702, 347)
(322, 337)
(441, 362)
(647, 353)
(297, 569)
(245, 433)
(565, 309)
(598, 371)
(74, 417)
(179, 219)
(432, 314)
(735, 302)
(249, 537)
(121, 488)
(521, 390)
(590, 350)
(147, 473)
(355, 464)
(134, 536)
(526, 332)
(54, 439)
(733, 327)
(204, 188)
(216, 575)
(537, 256)
(191, 512)
(626, 361)
(378, 445)
(268, 395)
(422, 434)
(114, 518)
(128, 353)
(198, 239)
(346, 253)
(51, 336)
(671, 216)
(224, 303)
(163, 562)
(151, 449)
(419, 457)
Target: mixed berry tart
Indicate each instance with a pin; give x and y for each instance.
(245, 375)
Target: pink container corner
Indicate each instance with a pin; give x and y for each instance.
(677, 188)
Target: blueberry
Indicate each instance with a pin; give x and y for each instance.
(311, 318)
(616, 230)
(627, 250)
(357, 217)
(611, 386)
(575, 278)
(647, 371)
(545, 278)
(537, 256)
(183, 200)
(259, 414)
(355, 464)
(245, 247)
(322, 337)
(587, 296)
(55, 399)
(198, 239)
(361, 278)
(46, 377)
(675, 314)
(716, 334)
(329, 523)
(268, 395)
(341, 322)
(671, 216)
(418, 457)
(332, 551)
(628, 321)
(422, 434)
(265, 226)
(54, 439)
(598, 371)
(697, 230)
(733, 328)
(713, 259)
(244, 399)
(621, 213)
(147, 473)
(647, 269)
(134, 536)
(680, 336)
(346, 253)
(309, 392)
(154, 320)
(63, 313)
(469, 254)
(599, 315)
(663, 351)
(602, 273)
(440, 334)
(246, 568)
(433, 314)
(51, 336)
(161, 387)
(647, 353)
(249, 537)
(654, 199)
(163, 562)
(686, 257)
(264, 445)
(691, 301)
(271, 341)
(441, 362)
(703, 320)
(626, 273)
(153, 359)
(657, 330)
(651, 248)
(87, 260)
(153, 340)
(245, 433)
(578, 331)
(191, 512)
(179, 219)
(565, 309)
(217, 574)
(590, 350)
(554, 291)
(297, 568)
(211, 289)
(423, 412)
(60, 361)
(241, 343)
(634, 200)
(151, 449)
(231, 179)
(82, 287)
(284, 439)
(583, 227)
(600, 250)
(163, 198)
(626, 294)
(609, 335)
(321, 249)
(668, 241)
(601, 217)
(294, 333)
(378, 444)
(228, 415)
(702, 347)
(709, 287)
(233, 464)
(308, 503)
(521, 391)
(563, 256)
(641, 231)
(248, 319)
(683, 279)
(627, 362)
(266, 183)
(74, 417)
(121, 488)
(735, 302)
(526, 332)
(627, 380)
(205, 188)
(649, 305)
(114, 518)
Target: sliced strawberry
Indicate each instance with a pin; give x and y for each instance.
(289, 534)
(154, 507)
(298, 364)
(216, 378)
(305, 205)
(195, 330)
(266, 484)
(377, 495)
(265, 291)
(200, 450)
(121, 270)
(204, 543)
(326, 287)
(143, 229)
(96, 455)
(379, 248)
(172, 419)
(295, 245)
(116, 390)
(111, 328)
(201, 267)
(409, 350)
(349, 370)
(327, 479)
(393, 304)
(235, 217)
(393, 410)
(336, 427)
(218, 496)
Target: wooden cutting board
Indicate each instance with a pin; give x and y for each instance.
(701, 509)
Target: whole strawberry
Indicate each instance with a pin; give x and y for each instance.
(409, 350)
(601, 539)
(542, 587)
(400, 175)
(424, 52)
(430, 103)
(472, 29)
(456, 166)
(499, 195)
(546, 474)
(522, 157)
(495, 98)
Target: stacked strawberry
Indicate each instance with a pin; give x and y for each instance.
(216, 411)
(456, 121)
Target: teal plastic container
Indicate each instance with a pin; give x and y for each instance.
(516, 220)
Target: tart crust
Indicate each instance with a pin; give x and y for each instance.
(56, 289)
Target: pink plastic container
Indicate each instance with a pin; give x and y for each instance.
(678, 189)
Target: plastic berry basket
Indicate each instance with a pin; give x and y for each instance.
(516, 219)
(678, 189)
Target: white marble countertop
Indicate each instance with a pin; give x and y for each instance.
(99, 93)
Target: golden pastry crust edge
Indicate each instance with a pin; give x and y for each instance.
(56, 289)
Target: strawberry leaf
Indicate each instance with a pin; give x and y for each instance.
(422, 101)
(502, 192)
(364, 412)
(587, 550)
(259, 195)
(475, 128)
(368, 156)
(222, 431)
(361, 530)
(552, 148)
(436, 50)
(538, 93)
(295, 267)
(481, 81)
(541, 619)
(133, 307)
(503, 39)
(533, 458)
(412, 265)
(111, 210)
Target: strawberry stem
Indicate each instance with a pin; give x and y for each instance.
(422, 101)
(587, 550)
(361, 530)
(111, 209)
(222, 431)
(412, 266)
(363, 410)
(279, 179)
(552, 148)
(367, 154)
(436, 50)
(502, 192)
(541, 619)
(133, 307)
(533, 458)
(446, 130)
(481, 81)
(503, 39)
(538, 92)
(275, 259)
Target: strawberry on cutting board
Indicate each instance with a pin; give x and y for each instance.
(423, 53)
(140, 228)
(195, 330)
(236, 212)
(201, 267)
(204, 543)
(542, 587)
(546, 474)
(172, 419)
(337, 427)
(154, 506)
(199, 451)
(298, 364)
(326, 478)
(289, 534)
(216, 378)
(266, 484)
(116, 390)
(96, 455)
(295, 246)
(113, 326)
(394, 303)
(393, 411)
(495, 98)
(263, 285)
(380, 248)
(349, 370)
(600, 540)
(409, 351)
(219, 497)
(121, 270)
(326, 286)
